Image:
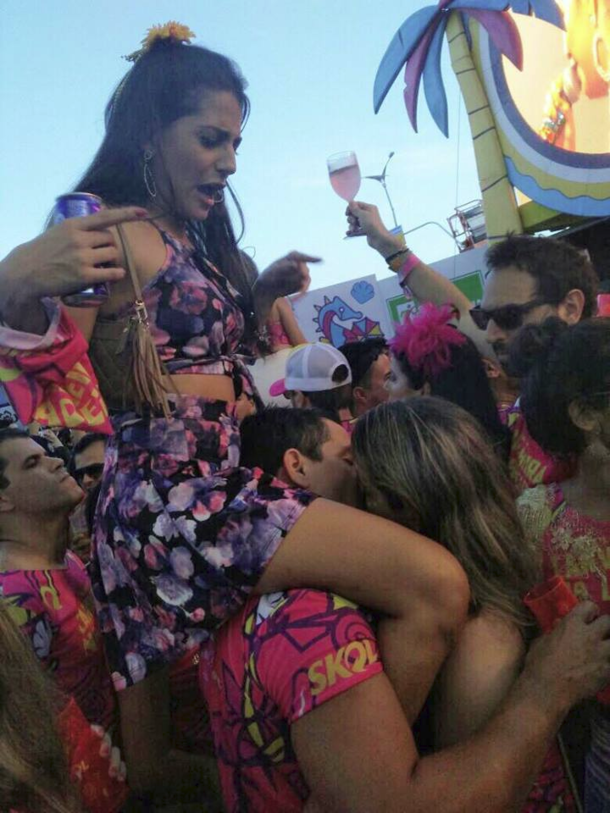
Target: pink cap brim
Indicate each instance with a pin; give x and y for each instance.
(278, 388)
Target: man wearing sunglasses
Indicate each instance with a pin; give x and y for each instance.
(529, 279)
(87, 462)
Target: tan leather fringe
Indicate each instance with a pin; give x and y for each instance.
(148, 380)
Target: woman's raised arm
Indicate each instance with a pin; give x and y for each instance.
(65, 258)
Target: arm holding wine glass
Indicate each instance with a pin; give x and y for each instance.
(426, 284)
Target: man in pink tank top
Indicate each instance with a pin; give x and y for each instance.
(47, 592)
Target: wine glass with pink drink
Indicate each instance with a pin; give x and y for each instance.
(344, 174)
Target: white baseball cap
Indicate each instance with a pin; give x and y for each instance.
(310, 368)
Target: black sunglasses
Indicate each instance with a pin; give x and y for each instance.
(94, 470)
(506, 317)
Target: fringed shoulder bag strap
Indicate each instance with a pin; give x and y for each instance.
(150, 379)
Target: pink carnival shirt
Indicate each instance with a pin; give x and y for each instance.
(529, 465)
(54, 610)
(573, 545)
(284, 655)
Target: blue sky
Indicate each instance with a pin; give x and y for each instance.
(310, 67)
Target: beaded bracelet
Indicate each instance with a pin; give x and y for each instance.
(396, 254)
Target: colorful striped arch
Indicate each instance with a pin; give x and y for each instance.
(570, 182)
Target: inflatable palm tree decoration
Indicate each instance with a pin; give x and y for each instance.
(418, 44)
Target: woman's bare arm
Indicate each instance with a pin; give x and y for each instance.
(289, 322)
(476, 677)
(68, 257)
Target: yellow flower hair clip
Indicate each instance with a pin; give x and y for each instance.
(170, 31)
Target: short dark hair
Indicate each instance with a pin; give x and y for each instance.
(88, 440)
(562, 364)
(10, 433)
(557, 267)
(332, 401)
(267, 436)
(361, 356)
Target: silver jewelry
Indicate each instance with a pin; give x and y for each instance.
(149, 178)
(219, 196)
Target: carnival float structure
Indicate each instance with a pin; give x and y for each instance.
(535, 78)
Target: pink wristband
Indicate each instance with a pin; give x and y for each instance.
(405, 269)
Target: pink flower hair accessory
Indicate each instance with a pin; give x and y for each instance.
(426, 339)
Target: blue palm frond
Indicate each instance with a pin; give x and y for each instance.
(434, 88)
(503, 32)
(546, 10)
(399, 50)
(418, 43)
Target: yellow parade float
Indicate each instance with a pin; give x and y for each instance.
(534, 76)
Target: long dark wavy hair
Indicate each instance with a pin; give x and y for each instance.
(562, 365)
(165, 84)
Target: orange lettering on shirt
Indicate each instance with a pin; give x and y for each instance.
(373, 657)
(69, 413)
(355, 656)
(94, 411)
(46, 414)
(349, 660)
(334, 668)
(79, 373)
(317, 677)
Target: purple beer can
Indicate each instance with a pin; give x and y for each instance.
(80, 204)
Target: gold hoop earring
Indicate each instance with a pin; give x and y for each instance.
(149, 178)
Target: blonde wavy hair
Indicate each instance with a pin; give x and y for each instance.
(438, 475)
(34, 775)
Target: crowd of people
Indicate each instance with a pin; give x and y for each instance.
(320, 605)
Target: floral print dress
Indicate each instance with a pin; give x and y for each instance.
(182, 532)
(576, 547)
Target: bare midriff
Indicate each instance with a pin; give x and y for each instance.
(215, 387)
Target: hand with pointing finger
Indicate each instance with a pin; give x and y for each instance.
(288, 275)
(65, 258)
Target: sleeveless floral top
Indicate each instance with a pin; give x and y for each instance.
(196, 319)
